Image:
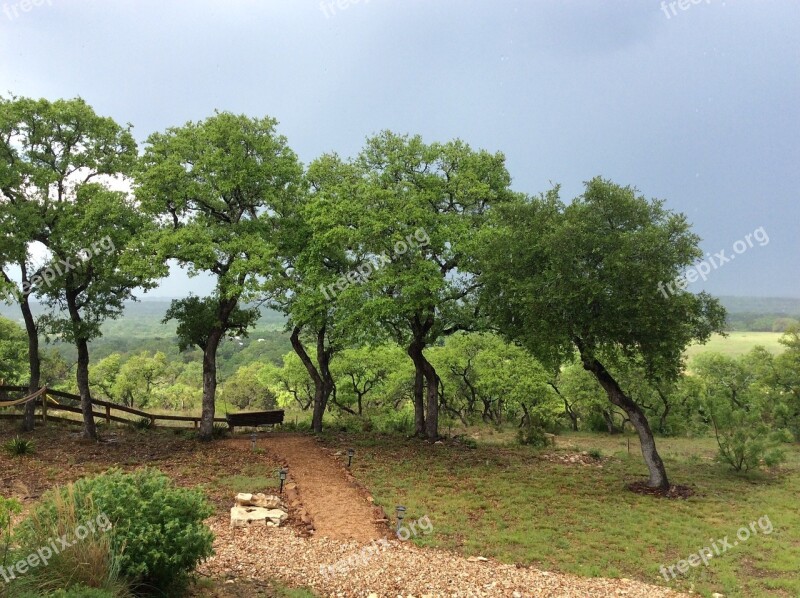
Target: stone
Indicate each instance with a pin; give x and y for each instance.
(258, 500)
(477, 559)
(243, 516)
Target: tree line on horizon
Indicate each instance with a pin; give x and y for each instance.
(406, 244)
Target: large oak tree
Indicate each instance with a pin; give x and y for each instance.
(583, 278)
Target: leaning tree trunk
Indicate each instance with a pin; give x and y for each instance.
(323, 381)
(34, 363)
(209, 384)
(658, 473)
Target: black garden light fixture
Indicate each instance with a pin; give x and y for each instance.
(282, 475)
(350, 453)
(253, 438)
(401, 513)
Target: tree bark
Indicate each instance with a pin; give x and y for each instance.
(34, 362)
(323, 381)
(414, 349)
(82, 367)
(658, 473)
(208, 408)
(427, 379)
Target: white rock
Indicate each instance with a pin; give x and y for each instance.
(243, 516)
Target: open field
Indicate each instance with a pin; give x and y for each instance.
(521, 506)
(738, 343)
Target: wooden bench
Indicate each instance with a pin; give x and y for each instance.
(254, 419)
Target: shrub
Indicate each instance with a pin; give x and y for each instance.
(143, 423)
(220, 430)
(745, 440)
(88, 562)
(157, 534)
(596, 454)
(532, 436)
(19, 446)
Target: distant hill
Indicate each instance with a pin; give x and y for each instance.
(142, 319)
(762, 305)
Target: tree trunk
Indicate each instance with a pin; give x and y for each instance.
(323, 381)
(414, 351)
(658, 473)
(82, 367)
(432, 417)
(208, 409)
(427, 379)
(34, 362)
(82, 378)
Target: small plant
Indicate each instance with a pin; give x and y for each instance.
(143, 423)
(595, 454)
(220, 430)
(19, 446)
(532, 436)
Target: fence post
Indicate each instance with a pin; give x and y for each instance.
(44, 406)
(108, 415)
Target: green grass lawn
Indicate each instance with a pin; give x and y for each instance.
(738, 343)
(508, 502)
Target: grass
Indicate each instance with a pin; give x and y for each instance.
(738, 343)
(506, 502)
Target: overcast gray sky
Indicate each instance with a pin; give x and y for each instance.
(698, 104)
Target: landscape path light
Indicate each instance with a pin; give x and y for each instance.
(350, 453)
(282, 475)
(401, 513)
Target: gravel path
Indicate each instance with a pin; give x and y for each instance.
(348, 555)
(391, 569)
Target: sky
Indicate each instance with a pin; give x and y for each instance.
(696, 103)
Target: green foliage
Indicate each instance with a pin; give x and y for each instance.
(89, 560)
(249, 387)
(595, 454)
(13, 353)
(740, 409)
(532, 435)
(19, 446)
(142, 423)
(8, 508)
(157, 534)
(221, 430)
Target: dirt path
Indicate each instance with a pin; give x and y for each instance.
(339, 509)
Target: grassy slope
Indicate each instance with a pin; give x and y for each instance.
(505, 502)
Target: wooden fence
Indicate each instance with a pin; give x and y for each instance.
(47, 403)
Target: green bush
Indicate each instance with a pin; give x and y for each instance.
(143, 423)
(19, 446)
(532, 436)
(157, 534)
(596, 454)
(745, 440)
(89, 561)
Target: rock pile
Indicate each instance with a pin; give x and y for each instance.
(253, 508)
